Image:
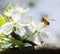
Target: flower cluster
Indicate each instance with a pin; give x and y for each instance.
(12, 24)
(15, 20)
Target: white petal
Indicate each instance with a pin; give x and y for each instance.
(16, 17)
(7, 28)
(40, 27)
(20, 30)
(32, 27)
(21, 10)
(25, 21)
(8, 14)
(24, 11)
(37, 39)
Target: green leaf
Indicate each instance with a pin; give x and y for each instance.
(2, 42)
(2, 34)
(5, 17)
(2, 20)
(19, 43)
(7, 8)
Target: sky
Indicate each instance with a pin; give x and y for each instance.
(49, 7)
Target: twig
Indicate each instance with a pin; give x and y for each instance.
(30, 42)
(17, 37)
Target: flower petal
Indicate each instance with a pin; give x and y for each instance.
(7, 14)
(16, 17)
(32, 27)
(37, 38)
(21, 10)
(7, 28)
(20, 30)
(25, 21)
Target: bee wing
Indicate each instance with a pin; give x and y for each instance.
(52, 19)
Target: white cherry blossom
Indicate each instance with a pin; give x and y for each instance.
(22, 24)
(32, 26)
(20, 27)
(15, 13)
(40, 35)
(20, 31)
(7, 28)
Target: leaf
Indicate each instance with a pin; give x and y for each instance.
(5, 17)
(7, 8)
(2, 34)
(2, 42)
(2, 20)
(20, 44)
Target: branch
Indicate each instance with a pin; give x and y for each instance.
(17, 37)
(30, 42)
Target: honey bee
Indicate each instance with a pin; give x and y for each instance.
(45, 20)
